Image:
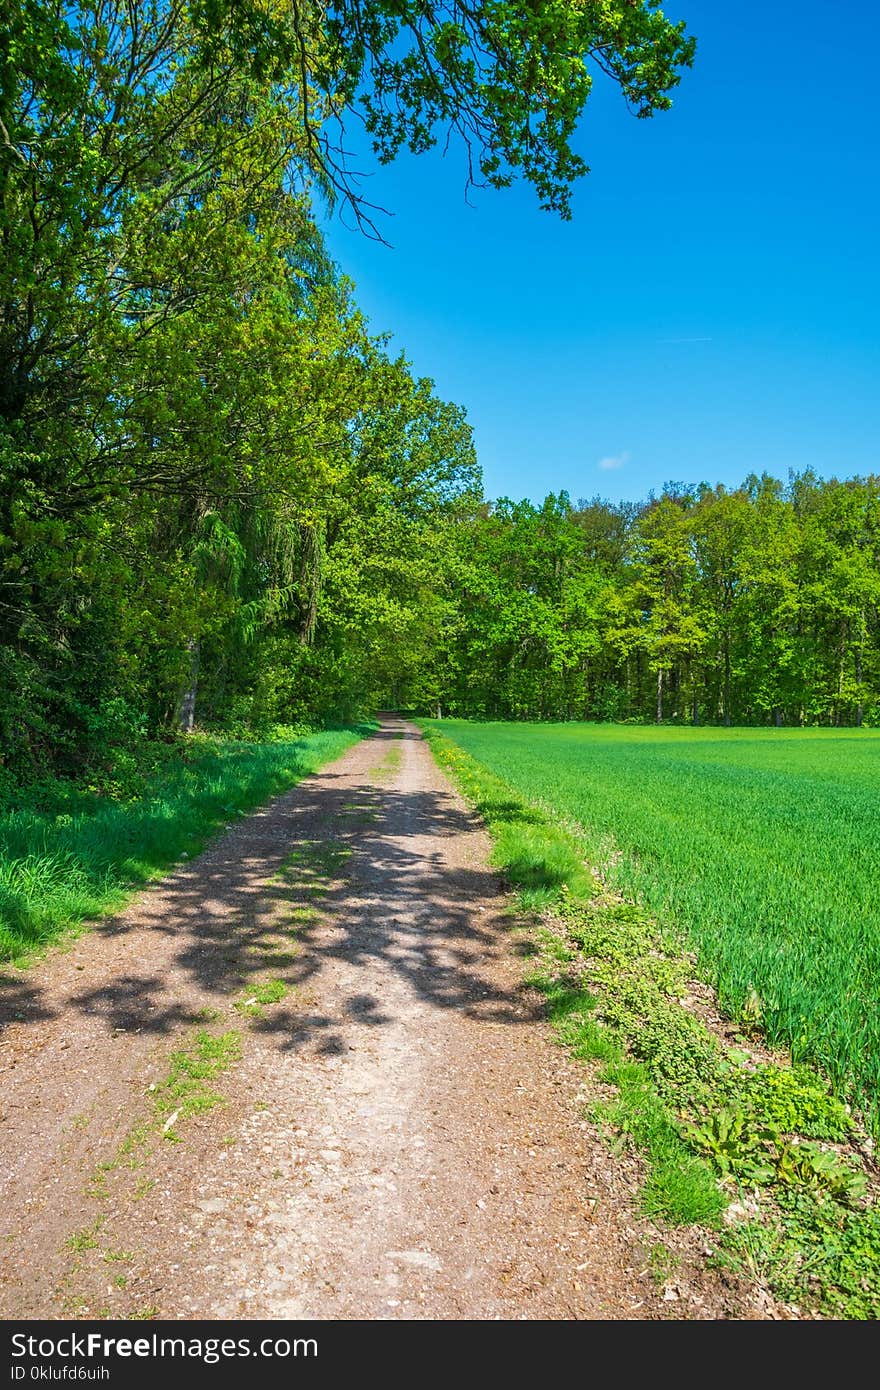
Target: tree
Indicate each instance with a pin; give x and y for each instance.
(673, 632)
(721, 522)
(510, 81)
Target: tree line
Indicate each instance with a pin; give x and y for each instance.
(754, 605)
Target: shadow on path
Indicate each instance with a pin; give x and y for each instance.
(257, 904)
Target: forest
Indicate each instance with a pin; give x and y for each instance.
(226, 504)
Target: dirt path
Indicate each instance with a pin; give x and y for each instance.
(399, 1136)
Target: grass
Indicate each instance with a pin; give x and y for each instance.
(760, 844)
(307, 874)
(390, 763)
(187, 1089)
(68, 856)
(260, 996)
(724, 1128)
(81, 1241)
(680, 1188)
(312, 866)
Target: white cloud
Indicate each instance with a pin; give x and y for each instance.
(614, 460)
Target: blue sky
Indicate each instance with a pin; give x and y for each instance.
(712, 308)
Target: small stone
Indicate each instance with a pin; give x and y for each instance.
(422, 1258)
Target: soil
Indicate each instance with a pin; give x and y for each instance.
(400, 1136)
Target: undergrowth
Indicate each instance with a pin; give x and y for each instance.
(761, 1151)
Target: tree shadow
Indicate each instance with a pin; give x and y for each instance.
(22, 1000)
(71, 856)
(255, 905)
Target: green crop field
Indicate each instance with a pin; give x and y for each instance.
(763, 845)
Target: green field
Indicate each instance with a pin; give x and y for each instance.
(761, 844)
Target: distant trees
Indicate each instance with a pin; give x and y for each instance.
(758, 605)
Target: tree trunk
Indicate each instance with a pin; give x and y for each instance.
(860, 708)
(187, 717)
(727, 680)
(310, 577)
(660, 696)
(841, 660)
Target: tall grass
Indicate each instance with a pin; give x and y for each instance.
(67, 856)
(761, 845)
